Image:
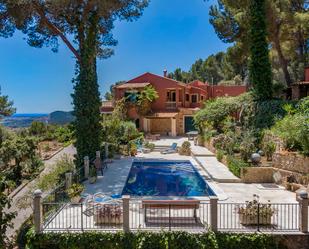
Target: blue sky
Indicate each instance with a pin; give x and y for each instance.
(170, 34)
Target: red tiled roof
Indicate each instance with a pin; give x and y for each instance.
(132, 85)
(158, 76)
(198, 83)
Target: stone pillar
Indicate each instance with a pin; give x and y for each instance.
(303, 200)
(106, 150)
(37, 211)
(173, 127)
(126, 212)
(68, 180)
(214, 213)
(97, 162)
(145, 125)
(86, 166)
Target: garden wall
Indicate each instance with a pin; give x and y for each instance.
(257, 175)
(291, 161)
(209, 146)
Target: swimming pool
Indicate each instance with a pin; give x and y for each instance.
(165, 178)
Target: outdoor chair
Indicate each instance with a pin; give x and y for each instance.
(172, 149)
(141, 148)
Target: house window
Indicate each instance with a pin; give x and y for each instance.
(187, 97)
(171, 96)
(131, 96)
(202, 97)
(137, 123)
(194, 98)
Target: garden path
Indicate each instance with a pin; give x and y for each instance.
(23, 213)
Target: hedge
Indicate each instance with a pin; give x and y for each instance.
(148, 240)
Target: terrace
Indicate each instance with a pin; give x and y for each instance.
(276, 210)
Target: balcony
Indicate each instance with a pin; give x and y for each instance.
(171, 105)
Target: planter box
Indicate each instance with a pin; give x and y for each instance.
(100, 219)
(253, 220)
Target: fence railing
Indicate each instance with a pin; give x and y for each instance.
(262, 217)
(82, 217)
(169, 216)
(133, 214)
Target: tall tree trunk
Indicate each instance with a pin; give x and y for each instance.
(282, 60)
(86, 97)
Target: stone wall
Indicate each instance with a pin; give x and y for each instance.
(291, 161)
(257, 175)
(209, 145)
(180, 118)
(291, 241)
(161, 126)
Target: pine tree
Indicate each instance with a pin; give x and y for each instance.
(259, 67)
(85, 28)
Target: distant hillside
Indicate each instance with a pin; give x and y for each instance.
(60, 117)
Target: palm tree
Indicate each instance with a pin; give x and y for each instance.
(145, 98)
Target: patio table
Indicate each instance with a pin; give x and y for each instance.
(192, 134)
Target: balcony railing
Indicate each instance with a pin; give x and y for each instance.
(173, 105)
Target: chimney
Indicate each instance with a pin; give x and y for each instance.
(165, 73)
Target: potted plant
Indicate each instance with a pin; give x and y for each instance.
(108, 214)
(289, 182)
(74, 192)
(255, 213)
(92, 175)
(185, 148)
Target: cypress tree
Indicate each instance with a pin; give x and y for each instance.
(86, 97)
(259, 67)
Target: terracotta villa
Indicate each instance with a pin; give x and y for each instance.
(172, 113)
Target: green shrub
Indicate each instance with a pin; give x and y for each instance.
(303, 106)
(226, 142)
(294, 130)
(247, 145)
(219, 155)
(150, 146)
(235, 165)
(269, 148)
(52, 178)
(37, 128)
(185, 148)
(75, 190)
(148, 240)
(216, 111)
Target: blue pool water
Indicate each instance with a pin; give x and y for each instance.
(165, 178)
